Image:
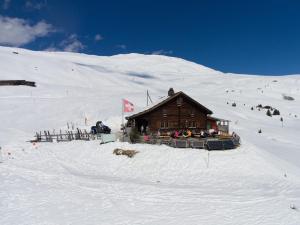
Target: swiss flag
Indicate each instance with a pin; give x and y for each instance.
(127, 106)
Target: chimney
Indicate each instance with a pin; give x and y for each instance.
(171, 92)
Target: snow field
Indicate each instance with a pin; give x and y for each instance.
(84, 183)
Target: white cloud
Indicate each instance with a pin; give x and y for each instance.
(34, 5)
(72, 44)
(51, 48)
(98, 37)
(162, 52)
(6, 4)
(121, 46)
(18, 32)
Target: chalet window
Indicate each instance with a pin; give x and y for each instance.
(192, 112)
(192, 124)
(165, 112)
(179, 101)
(164, 124)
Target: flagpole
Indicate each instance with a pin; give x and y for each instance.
(122, 125)
(122, 112)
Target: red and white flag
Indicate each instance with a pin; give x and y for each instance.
(127, 106)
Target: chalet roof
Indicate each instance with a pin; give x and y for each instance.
(217, 119)
(180, 93)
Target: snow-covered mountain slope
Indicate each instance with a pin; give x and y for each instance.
(83, 183)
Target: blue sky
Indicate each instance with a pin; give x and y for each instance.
(251, 37)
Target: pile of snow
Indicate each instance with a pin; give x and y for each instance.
(84, 183)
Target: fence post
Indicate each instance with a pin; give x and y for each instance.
(50, 137)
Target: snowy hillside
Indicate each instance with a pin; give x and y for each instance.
(84, 183)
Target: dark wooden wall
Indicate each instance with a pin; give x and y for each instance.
(187, 115)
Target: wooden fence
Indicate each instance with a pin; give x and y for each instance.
(79, 134)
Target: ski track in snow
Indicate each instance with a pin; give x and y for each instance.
(84, 183)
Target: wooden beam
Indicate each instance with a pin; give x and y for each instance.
(17, 82)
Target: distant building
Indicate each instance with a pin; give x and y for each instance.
(178, 111)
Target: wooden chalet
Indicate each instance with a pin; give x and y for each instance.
(178, 111)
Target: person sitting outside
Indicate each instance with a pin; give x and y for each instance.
(202, 134)
(185, 134)
(189, 133)
(212, 132)
(176, 134)
(146, 138)
(158, 133)
(142, 130)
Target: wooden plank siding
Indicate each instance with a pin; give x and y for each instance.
(177, 117)
(173, 116)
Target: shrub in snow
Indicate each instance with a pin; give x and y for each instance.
(267, 107)
(286, 97)
(252, 108)
(259, 131)
(128, 153)
(259, 106)
(276, 112)
(292, 206)
(269, 113)
(234, 104)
